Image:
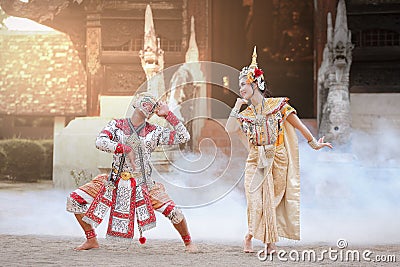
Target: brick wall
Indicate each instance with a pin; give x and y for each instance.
(40, 74)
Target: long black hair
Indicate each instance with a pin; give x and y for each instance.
(266, 92)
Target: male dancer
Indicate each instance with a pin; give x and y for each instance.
(131, 140)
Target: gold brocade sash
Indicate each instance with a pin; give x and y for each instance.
(265, 161)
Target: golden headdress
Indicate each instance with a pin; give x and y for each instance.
(253, 73)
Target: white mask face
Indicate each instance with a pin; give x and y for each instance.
(146, 103)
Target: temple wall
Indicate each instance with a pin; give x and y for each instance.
(375, 112)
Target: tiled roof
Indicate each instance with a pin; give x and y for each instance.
(40, 74)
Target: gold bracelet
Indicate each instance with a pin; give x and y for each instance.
(313, 143)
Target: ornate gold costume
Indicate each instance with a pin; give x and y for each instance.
(272, 180)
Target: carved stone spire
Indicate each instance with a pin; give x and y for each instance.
(192, 54)
(150, 39)
(341, 30)
(152, 57)
(329, 35)
(341, 41)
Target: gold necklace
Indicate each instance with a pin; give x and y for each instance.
(261, 129)
(260, 118)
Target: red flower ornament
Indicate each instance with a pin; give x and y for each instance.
(258, 72)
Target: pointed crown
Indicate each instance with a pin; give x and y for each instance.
(252, 72)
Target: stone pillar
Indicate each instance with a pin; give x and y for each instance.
(93, 66)
(59, 124)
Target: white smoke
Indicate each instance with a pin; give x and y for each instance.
(352, 195)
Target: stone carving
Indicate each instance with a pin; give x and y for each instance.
(152, 57)
(333, 81)
(93, 50)
(188, 91)
(181, 79)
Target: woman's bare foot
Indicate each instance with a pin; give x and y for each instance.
(88, 244)
(191, 248)
(247, 244)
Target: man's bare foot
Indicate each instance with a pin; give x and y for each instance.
(271, 248)
(247, 244)
(88, 244)
(191, 248)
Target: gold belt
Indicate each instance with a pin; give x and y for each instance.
(126, 176)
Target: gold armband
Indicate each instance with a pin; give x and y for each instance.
(313, 143)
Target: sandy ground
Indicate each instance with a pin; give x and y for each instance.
(57, 251)
(40, 233)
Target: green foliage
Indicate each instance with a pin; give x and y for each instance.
(47, 171)
(3, 161)
(25, 159)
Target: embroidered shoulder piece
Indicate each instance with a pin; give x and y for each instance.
(123, 125)
(275, 104)
(272, 105)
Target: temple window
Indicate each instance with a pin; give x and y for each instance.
(376, 38)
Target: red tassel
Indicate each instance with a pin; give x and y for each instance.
(142, 240)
